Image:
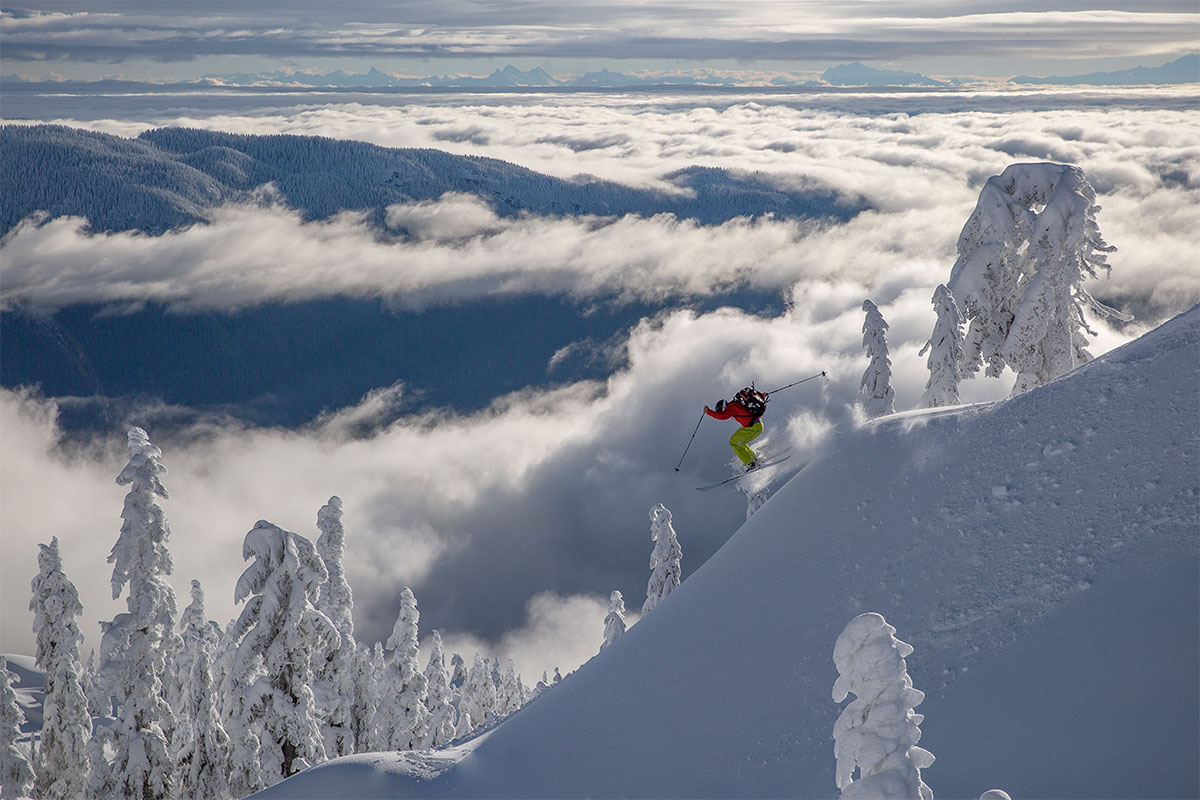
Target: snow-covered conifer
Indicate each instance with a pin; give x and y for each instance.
(365, 697)
(438, 697)
(1022, 258)
(205, 750)
(458, 671)
(946, 353)
(510, 692)
(236, 675)
(245, 762)
(876, 734)
(103, 778)
(665, 560)
(378, 667)
(281, 626)
(402, 719)
(465, 724)
(202, 744)
(16, 774)
(143, 764)
(66, 725)
(334, 675)
(479, 693)
(875, 390)
(99, 700)
(197, 633)
(614, 623)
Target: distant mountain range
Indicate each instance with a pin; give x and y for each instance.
(1182, 70)
(511, 77)
(1185, 69)
(857, 74)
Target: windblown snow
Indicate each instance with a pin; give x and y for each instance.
(1039, 555)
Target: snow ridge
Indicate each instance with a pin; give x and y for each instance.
(1038, 553)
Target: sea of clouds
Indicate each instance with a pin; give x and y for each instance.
(512, 524)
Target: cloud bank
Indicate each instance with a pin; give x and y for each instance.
(514, 523)
(920, 172)
(116, 31)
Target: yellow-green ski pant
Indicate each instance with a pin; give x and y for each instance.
(741, 438)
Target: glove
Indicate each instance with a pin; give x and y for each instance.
(720, 405)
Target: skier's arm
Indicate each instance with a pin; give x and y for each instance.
(722, 411)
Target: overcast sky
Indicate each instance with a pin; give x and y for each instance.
(161, 39)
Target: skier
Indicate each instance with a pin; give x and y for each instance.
(747, 407)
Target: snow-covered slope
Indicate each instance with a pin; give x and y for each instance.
(169, 177)
(1040, 554)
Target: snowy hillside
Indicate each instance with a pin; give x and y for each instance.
(1040, 554)
(174, 176)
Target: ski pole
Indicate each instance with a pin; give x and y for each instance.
(820, 374)
(689, 444)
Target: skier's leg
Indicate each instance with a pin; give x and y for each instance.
(743, 436)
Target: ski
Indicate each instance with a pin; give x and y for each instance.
(772, 463)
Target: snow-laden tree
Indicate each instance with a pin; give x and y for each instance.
(366, 698)
(665, 560)
(439, 698)
(378, 670)
(281, 626)
(233, 679)
(465, 724)
(402, 719)
(876, 735)
(197, 633)
(614, 622)
(99, 700)
(245, 761)
(143, 763)
(458, 671)
(510, 691)
(16, 774)
(1023, 256)
(61, 759)
(334, 675)
(946, 354)
(111, 671)
(479, 693)
(204, 754)
(875, 390)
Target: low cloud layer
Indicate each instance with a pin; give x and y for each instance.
(920, 172)
(514, 523)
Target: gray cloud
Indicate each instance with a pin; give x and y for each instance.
(771, 30)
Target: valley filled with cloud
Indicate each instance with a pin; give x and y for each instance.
(501, 518)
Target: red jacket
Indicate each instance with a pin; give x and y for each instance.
(733, 409)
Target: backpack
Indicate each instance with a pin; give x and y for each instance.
(754, 401)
